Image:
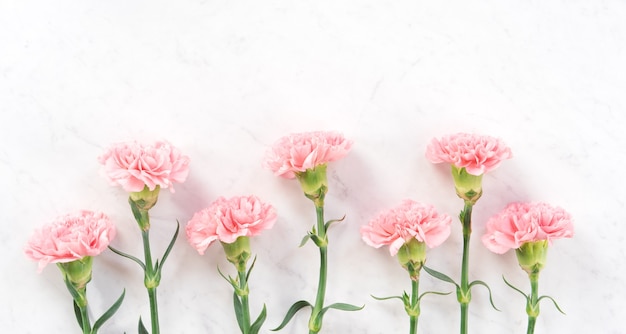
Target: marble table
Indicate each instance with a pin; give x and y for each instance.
(223, 80)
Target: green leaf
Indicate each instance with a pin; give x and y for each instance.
(433, 293)
(387, 298)
(250, 269)
(256, 326)
(228, 279)
(292, 311)
(128, 256)
(305, 239)
(488, 289)
(142, 329)
(169, 249)
(342, 307)
(79, 318)
(109, 313)
(514, 288)
(238, 311)
(337, 306)
(330, 222)
(72, 289)
(553, 301)
(440, 276)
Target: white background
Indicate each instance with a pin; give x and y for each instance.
(223, 80)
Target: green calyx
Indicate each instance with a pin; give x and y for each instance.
(532, 256)
(77, 272)
(412, 256)
(314, 183)
(145, 199)
(142, 201)
(468, 187)
(238, 252)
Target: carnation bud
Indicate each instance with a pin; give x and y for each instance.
(412, 256)
(468, 187)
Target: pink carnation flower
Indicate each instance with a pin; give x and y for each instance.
(407, 221)
(520, 223)
(227, 219)
(134, 166)
(71, 237)
(301, 151)
(477, 154)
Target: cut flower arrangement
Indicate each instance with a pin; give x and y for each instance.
(73, 241)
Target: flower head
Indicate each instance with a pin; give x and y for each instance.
(470, 157)
(304, 156)
(477, 154)
(300, 152)
(521, 223)
(410, 220)
(71, 237)
(408, 229)
(135, 166)
(228, 219)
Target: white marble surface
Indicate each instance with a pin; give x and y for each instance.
(223, 80)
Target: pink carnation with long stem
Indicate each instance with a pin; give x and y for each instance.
(134, 166)
(409, 220)
(71, 237)
(520, 223)
(477, 154)
(298, 152)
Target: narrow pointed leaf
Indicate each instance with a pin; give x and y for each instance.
(238, 311)
(142, 329)
(553, 301)
(109, 313)
(292, 311)
(433, 293)
(250, 269)
(256, 326)
(330, 222)
(305, 239)
(488, 289)
(441, 276)
(342, 307)
(514, 288)
(79, 318)
(75, 294)
(170, 246)
(228, 279)
(128, 256)
(386, 298)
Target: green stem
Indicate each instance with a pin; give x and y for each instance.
(533, 302)
(82, 306)
(243, 285)
(465, 296)
(315, 322)
(151, 281)
(414, 301)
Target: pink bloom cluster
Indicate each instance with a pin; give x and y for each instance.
(71, 237)
(227, 219)
(477, 154)
(301, 151)
(520, 223)
(407, 221)
(134, 166)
